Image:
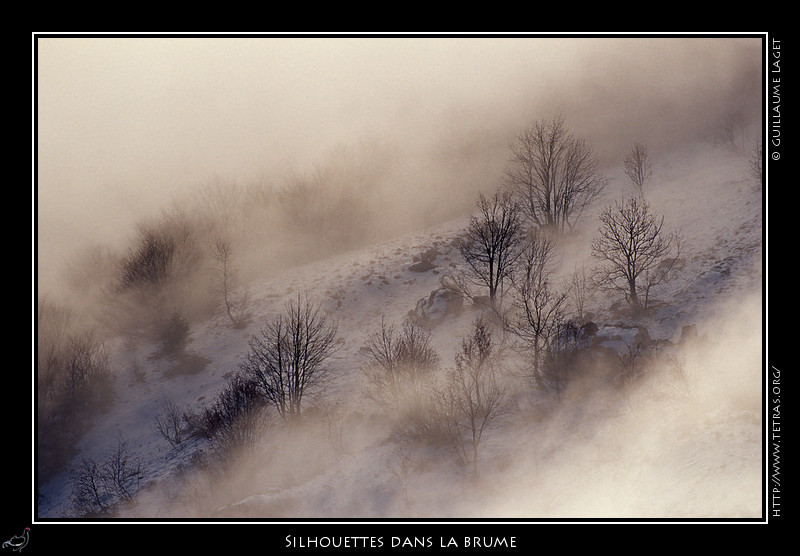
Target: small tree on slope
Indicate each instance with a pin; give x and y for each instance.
(287, 360)
(635, 252)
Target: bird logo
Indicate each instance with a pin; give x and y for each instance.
(18, 542)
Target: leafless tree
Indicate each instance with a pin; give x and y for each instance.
(88, 494)
(399, 368)
(402, 468)
(472, 396)
(223, 255)
(91, 270)
(224, 202)
(490, 244)
(336, 417)
(398, 362)
(538, 304)
(634, 250)
(171, 424)
(125, 472)
(99, 487)
(554, 175)
(287, 360)
(85, 362)
(579, 290)
(629, 363)
(638, 167)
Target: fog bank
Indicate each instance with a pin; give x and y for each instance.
(125, 125)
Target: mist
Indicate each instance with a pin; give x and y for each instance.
(681, 443)
(341, 159)
(127, 125)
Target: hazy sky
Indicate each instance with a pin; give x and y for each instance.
(124, 123)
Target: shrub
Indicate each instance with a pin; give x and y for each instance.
(166, 270)
(149, 263)
(174, 336)
(398, 362)
(72, 371)
(236, 420)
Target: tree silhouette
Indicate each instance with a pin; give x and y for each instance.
(287, 359)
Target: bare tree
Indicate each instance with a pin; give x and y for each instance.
(223, 255)
(579, 290)
(85, 365)
(222, 201)
(288, 359)
(538, 304)
(398, 362)
(554, 175)
(638, 167)
(171, 424)
(99, 487)
(125, 472)
(88, 492)
(490, 244)
(472, 397)
(400, 369)
(402, 468)
(634, 250)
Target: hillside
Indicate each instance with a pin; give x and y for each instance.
(685, 441)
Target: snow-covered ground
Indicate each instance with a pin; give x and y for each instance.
(680, 444)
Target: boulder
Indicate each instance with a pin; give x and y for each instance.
(421, 266)
(433, 309)
(424, 262)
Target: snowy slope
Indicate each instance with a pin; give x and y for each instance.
(673, 447)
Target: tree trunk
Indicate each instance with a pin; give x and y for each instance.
(635, 303)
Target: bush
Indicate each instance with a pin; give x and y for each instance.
(237, 419)
(162, 250)
(398, 362)
(166, 270)
(564, 357)
(400, 368)
(174, 336)
(149, 264)
(72, 374)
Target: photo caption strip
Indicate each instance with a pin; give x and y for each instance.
(774, 81)
(774, 138)
(775, 443)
